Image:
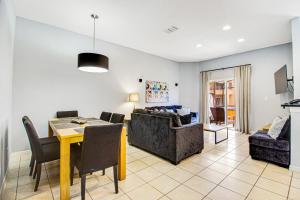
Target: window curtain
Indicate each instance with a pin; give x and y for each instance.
(205, 76)
(242, 78)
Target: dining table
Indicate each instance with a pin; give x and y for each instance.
(69, 133)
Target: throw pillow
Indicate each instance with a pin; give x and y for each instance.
(175, 118)
(170, 110)
(285, 131)
(184, 111)
(276, 127)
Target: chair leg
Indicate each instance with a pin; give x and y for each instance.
(72, 174)
(35, 170)
(83, 178)
(39, 170)
(103, 172)
(32, 162)
(116, 178)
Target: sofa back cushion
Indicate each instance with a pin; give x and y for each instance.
(165, 108)
(175, 117)
(142, 111)
(184, 111)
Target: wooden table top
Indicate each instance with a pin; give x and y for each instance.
(65, 128)
(213, 127)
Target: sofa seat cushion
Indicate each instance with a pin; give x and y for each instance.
(264, 140)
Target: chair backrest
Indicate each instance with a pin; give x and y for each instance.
(117, 118)
(105, 116)
(63, 114)
(100, 148)
(218, 113)
(33, 137)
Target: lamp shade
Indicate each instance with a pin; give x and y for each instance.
(92, 62)
(133, 97)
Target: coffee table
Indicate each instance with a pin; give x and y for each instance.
(215, 128)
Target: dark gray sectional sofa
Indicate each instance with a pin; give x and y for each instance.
(157, 134)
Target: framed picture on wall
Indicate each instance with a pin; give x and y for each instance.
(157, 92)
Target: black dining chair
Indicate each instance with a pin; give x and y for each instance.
(41, 151)
(63, 114)
(100, 150)
(117, 118)
(105, 116)
(43, 141)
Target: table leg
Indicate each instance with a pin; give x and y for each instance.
(122, 156)
(50, 131)
(227, 133)
(223, 139)
(216, 137)
(64, 169)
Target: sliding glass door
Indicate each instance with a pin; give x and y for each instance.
(221, 106)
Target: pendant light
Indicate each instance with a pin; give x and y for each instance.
(93, 62)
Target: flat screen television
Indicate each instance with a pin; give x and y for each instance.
(281, 81)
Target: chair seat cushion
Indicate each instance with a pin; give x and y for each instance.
(264, 140)
(51, 152)
(48, 140)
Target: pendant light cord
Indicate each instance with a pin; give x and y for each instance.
(94, 16)
(94, 34)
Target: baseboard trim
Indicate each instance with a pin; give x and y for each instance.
(294, 168)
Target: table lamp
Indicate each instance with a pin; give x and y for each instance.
(134, 97)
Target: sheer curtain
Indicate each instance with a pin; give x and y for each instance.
(205, 76)
(242, 78)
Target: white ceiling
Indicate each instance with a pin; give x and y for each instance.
(140, 24)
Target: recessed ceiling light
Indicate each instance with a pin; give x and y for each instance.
(199, 45)
(226, 28)
(241, 40)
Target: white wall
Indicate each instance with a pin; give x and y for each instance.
(46, 78)
(265, 104)
(189, 86)
(295, 112)
(7, 29)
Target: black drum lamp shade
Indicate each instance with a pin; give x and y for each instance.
(92, 62)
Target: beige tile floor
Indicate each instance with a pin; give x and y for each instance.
(220, 172)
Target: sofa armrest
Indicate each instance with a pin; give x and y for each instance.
(189, 140)
(186, 119)
(186, 126)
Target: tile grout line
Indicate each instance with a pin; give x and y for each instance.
(214, 170)
(206, 168)
(18, 178)
(275, 180)
(290, 185)
(226, 177)
(254, 185)
(268, 189)
(46, 170)
(214, 161)
(215, 148)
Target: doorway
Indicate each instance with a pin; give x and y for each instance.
(221, 106)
